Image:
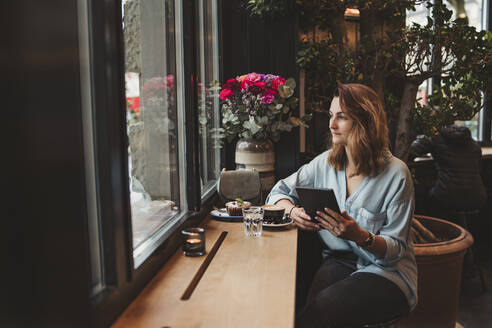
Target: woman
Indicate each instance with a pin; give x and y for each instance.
(369, 273)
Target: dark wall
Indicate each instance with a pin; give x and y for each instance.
(262, 46)
(45, 270)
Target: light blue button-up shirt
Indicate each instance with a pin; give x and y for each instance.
(382, 204)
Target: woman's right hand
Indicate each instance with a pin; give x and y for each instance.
(302, 220)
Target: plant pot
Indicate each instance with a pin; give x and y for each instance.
(258, 155)
(439, 275)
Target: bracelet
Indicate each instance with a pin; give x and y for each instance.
(290, 212)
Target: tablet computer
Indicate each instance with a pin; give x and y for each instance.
(316, 199)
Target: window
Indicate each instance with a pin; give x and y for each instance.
(150, 105)
(154, 113)
(475, 12)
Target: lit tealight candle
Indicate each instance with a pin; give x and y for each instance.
(194, 244)
(193, 241)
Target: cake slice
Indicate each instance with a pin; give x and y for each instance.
(235, 208)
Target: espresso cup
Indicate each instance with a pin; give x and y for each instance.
(273, 213)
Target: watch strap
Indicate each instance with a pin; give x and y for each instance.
(368, 242)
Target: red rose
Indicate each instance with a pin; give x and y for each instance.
(232, 84)
(245, 84)
(276, 83)
(260, 84)
(226, 94)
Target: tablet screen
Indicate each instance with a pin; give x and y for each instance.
(316, 199)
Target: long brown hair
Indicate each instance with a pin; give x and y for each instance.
(368, 139)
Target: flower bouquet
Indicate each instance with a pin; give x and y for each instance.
(258, 106)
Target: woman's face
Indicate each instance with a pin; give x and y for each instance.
(340, 123)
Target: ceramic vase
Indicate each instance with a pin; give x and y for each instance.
(258, 155)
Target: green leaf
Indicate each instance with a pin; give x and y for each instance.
(291, 83)
(297, 122)
(251, 125)
(285, 91)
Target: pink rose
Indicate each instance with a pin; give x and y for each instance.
(226, 94)
(241, 78)
(253, 77)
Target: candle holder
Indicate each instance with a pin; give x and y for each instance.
(194, 244)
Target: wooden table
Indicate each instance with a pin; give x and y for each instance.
(486, 153)
(249, 283)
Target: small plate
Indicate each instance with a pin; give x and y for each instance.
(278, 225)
(221, 214)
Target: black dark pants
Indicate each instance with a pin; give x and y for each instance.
(338, 299)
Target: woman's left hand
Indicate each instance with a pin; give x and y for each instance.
(341, 225)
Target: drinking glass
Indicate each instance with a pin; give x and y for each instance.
(253, 221)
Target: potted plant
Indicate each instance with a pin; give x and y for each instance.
(376, 48)
(439, 248)
(256, 108)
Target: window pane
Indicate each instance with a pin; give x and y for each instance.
(473, 11)
(208, 100)
(418, 16)
(150, 71)
(473, 125)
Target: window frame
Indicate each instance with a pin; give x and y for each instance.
(209, 188)
(123, 279)
(486, 122)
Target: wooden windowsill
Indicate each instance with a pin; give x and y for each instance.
(250, 282)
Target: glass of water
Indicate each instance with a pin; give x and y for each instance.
(253, 221)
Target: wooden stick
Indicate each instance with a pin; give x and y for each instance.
(424, 232)
(416, 237)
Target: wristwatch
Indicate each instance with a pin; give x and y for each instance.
(368, 242)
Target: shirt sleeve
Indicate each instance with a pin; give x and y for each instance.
(286, 188)
(397, 232)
